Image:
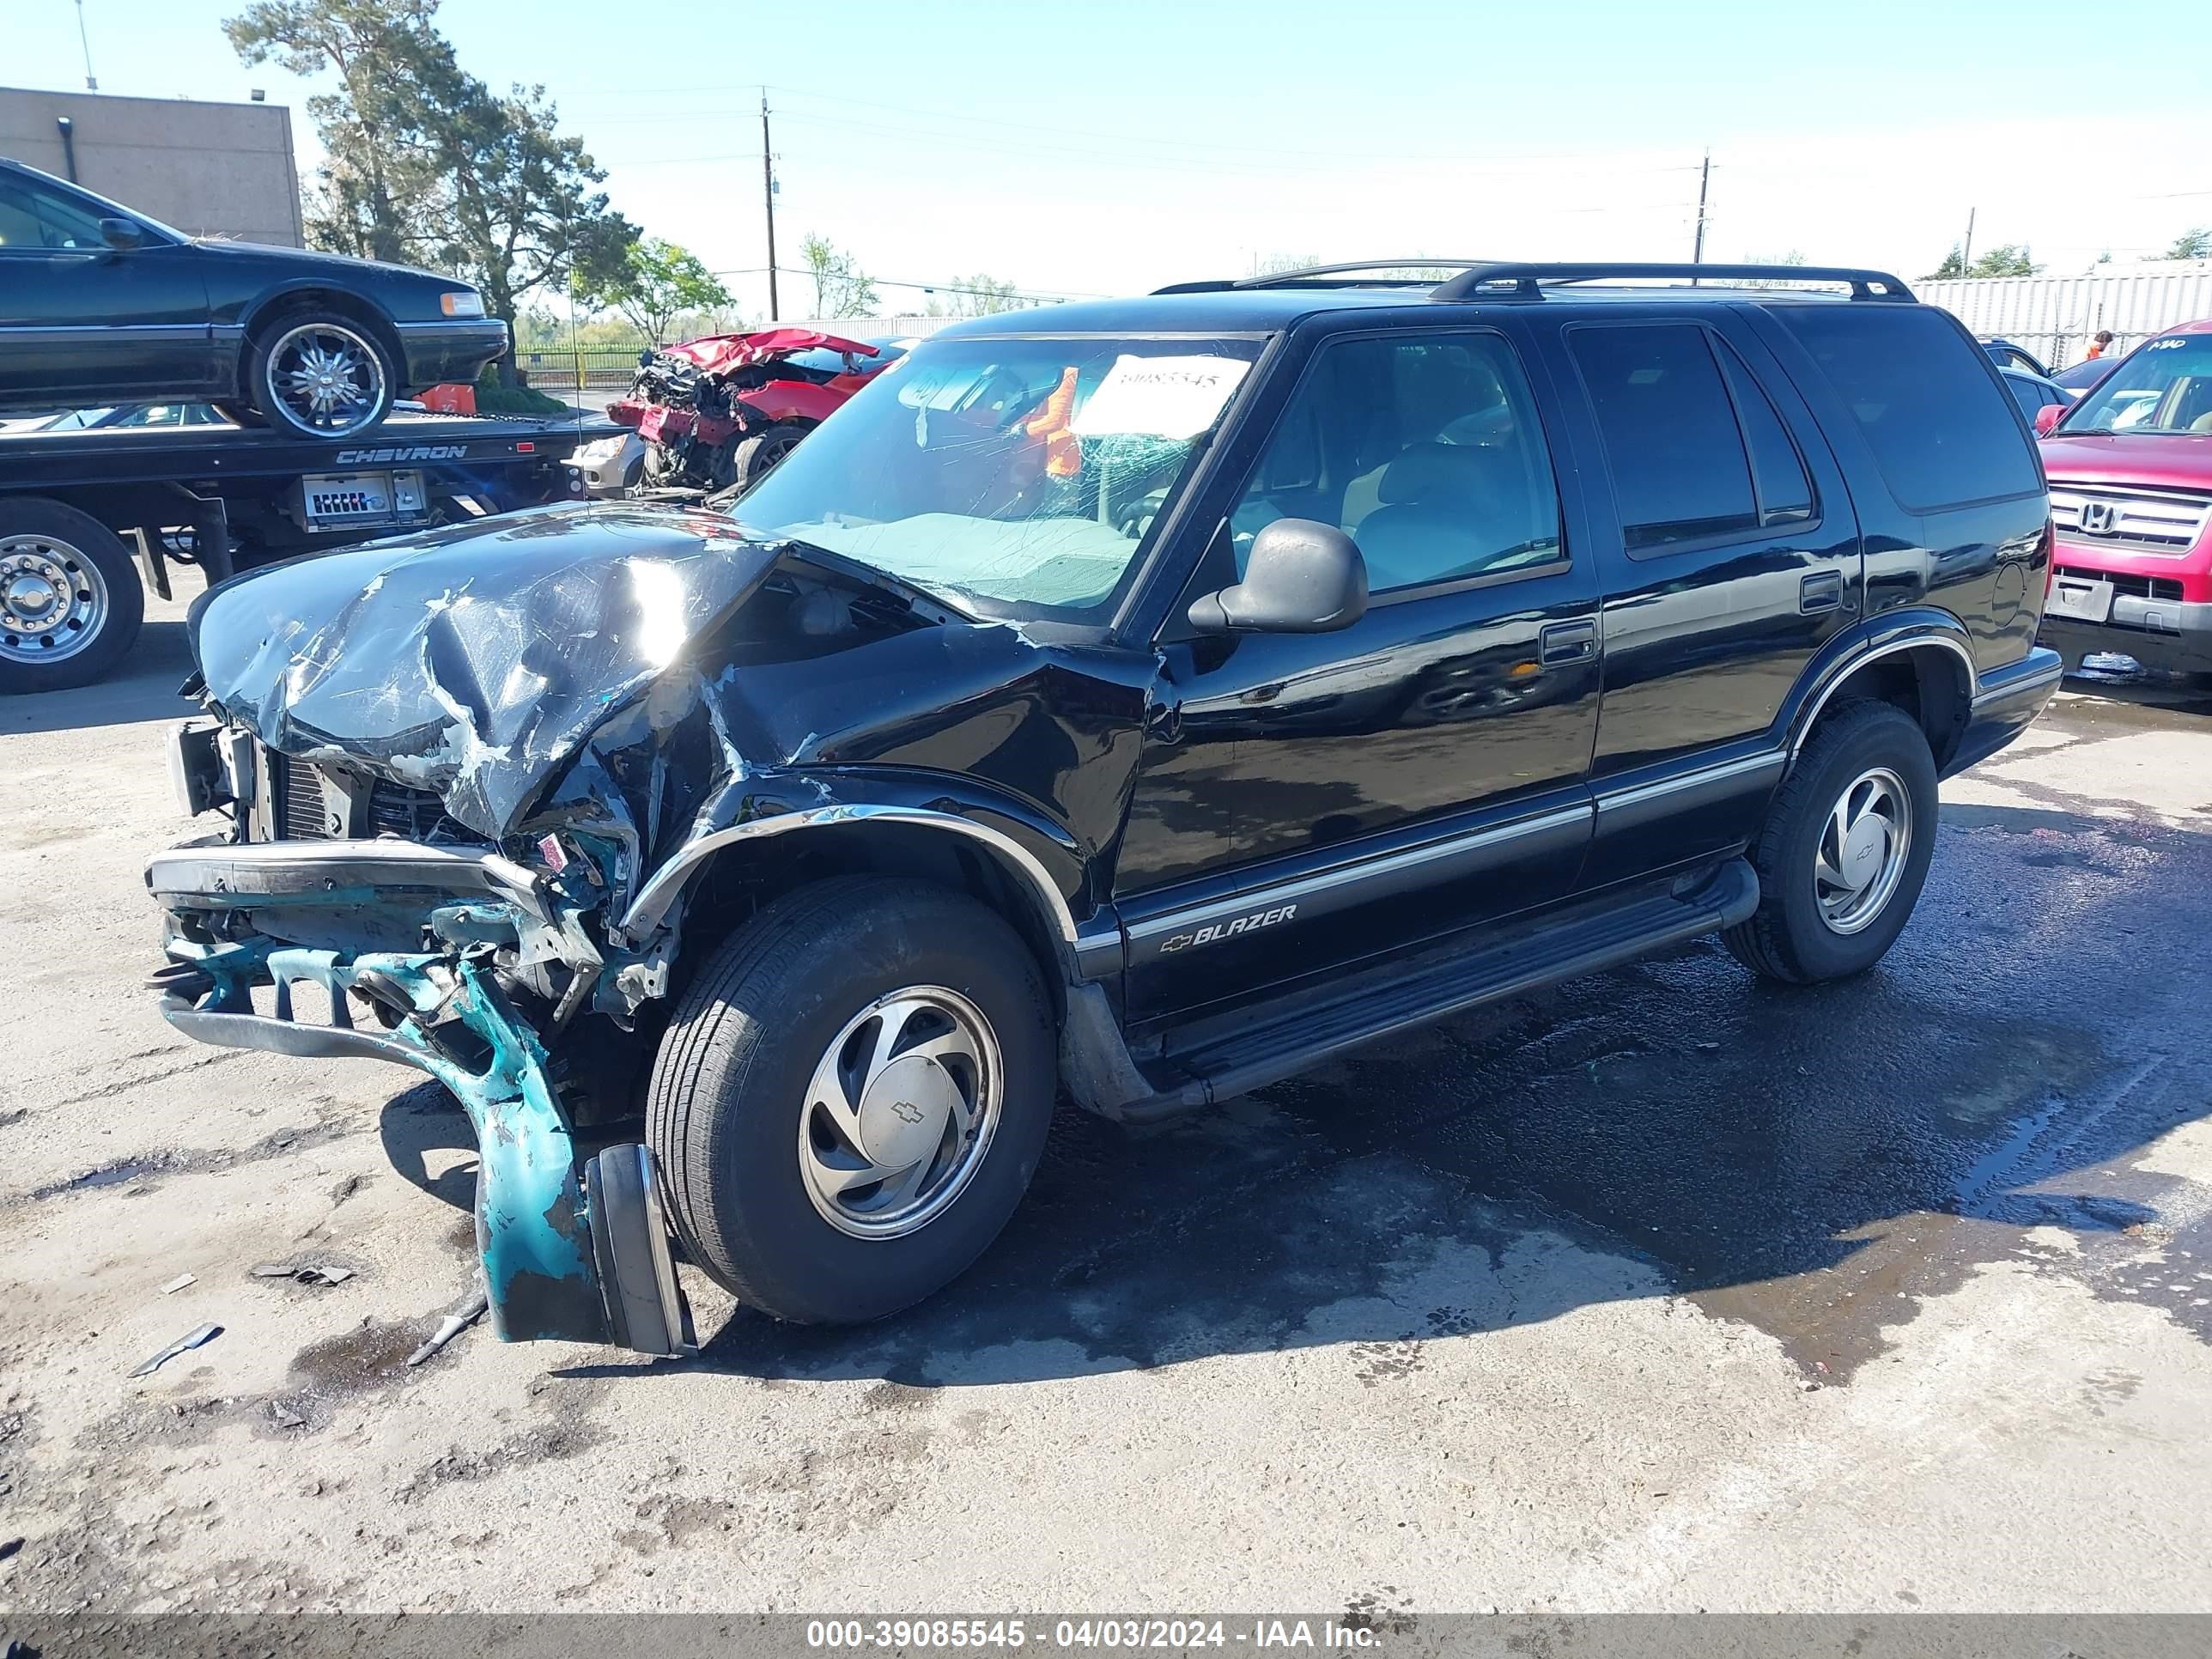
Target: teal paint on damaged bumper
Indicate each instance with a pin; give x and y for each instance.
(533, 1223)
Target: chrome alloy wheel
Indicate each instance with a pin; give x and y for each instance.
(900, 1112)
(1861, 856)
(54, 600)
(328, 378)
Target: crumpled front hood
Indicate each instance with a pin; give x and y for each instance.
(472, 659)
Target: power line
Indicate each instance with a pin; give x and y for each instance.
(927, 288)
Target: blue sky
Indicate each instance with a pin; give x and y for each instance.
(1111, 147)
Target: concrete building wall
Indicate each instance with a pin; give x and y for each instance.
(210, 169)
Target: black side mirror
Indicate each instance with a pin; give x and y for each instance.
(121, 234)
(1303, 578)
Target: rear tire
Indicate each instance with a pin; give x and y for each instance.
(71, 600)
(1836, 886)
(836, 997)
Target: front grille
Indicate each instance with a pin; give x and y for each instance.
(393, 808)
(2155, 521)
(2140, 587)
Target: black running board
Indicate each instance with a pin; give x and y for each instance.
(1233, 1055)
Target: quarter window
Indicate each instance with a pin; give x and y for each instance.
(1941, 430)
(1425, 449)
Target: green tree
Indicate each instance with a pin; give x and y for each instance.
(977, 296)
(2190, 245)
(2007, 259)
(842, 288)
(427, 164)
(657, 282)
(376, 184)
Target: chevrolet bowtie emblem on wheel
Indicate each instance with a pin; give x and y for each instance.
(907, 1110)
(1221, 930)
(2098, 518)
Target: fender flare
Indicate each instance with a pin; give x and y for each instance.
(661, 889)
(1918, 628)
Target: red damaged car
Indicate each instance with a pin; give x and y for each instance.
(722, 410)
(2131, 471)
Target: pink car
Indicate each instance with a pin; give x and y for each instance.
(2131, 471)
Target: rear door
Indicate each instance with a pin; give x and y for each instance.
(1729, 555)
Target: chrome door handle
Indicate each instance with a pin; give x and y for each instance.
(1561, 643)
(1820, 590)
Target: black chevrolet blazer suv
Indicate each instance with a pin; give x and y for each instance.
(100, 305)
(1137, 701)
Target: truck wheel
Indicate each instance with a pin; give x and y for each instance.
(753, 457)
(1845, 849)
(851, 1096)
(70, 603)
(318, 375)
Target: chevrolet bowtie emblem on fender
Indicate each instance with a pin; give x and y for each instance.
(2098, 518)
(1221, 930)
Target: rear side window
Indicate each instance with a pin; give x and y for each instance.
(1785, 493)
(1941, 432)
(1695, 449)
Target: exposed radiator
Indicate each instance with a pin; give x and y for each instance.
(394, 809)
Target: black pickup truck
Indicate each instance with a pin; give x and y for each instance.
(1140, 700)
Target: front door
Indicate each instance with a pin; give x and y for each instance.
(1308, 800)
(82, 323)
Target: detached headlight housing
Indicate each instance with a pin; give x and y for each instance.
(461, 302)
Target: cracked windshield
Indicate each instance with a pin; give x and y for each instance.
(1015, 477)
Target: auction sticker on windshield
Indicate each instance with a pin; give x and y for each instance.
(1159, 397)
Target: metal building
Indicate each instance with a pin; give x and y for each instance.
(2056, 317)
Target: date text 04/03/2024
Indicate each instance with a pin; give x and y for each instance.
(1169, 1634)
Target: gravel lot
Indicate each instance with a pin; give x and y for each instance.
(1661, 1291)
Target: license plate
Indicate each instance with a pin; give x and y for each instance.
(2082, 601)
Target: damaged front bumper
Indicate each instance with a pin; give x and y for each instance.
(575, 1247)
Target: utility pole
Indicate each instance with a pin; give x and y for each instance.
(85, 40)
(768, 196)
(1704, 177)
(1967, 247)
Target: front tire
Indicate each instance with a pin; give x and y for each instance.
(756, 456)
(1844, 850)
(71, 601)
(317, 375)
(851, 1096)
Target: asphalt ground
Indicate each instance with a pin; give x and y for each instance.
(1664, 1290)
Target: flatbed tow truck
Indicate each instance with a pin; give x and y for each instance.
(92, 518)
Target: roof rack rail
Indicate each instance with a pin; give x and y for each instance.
(1307, 274)
(1524, 281)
